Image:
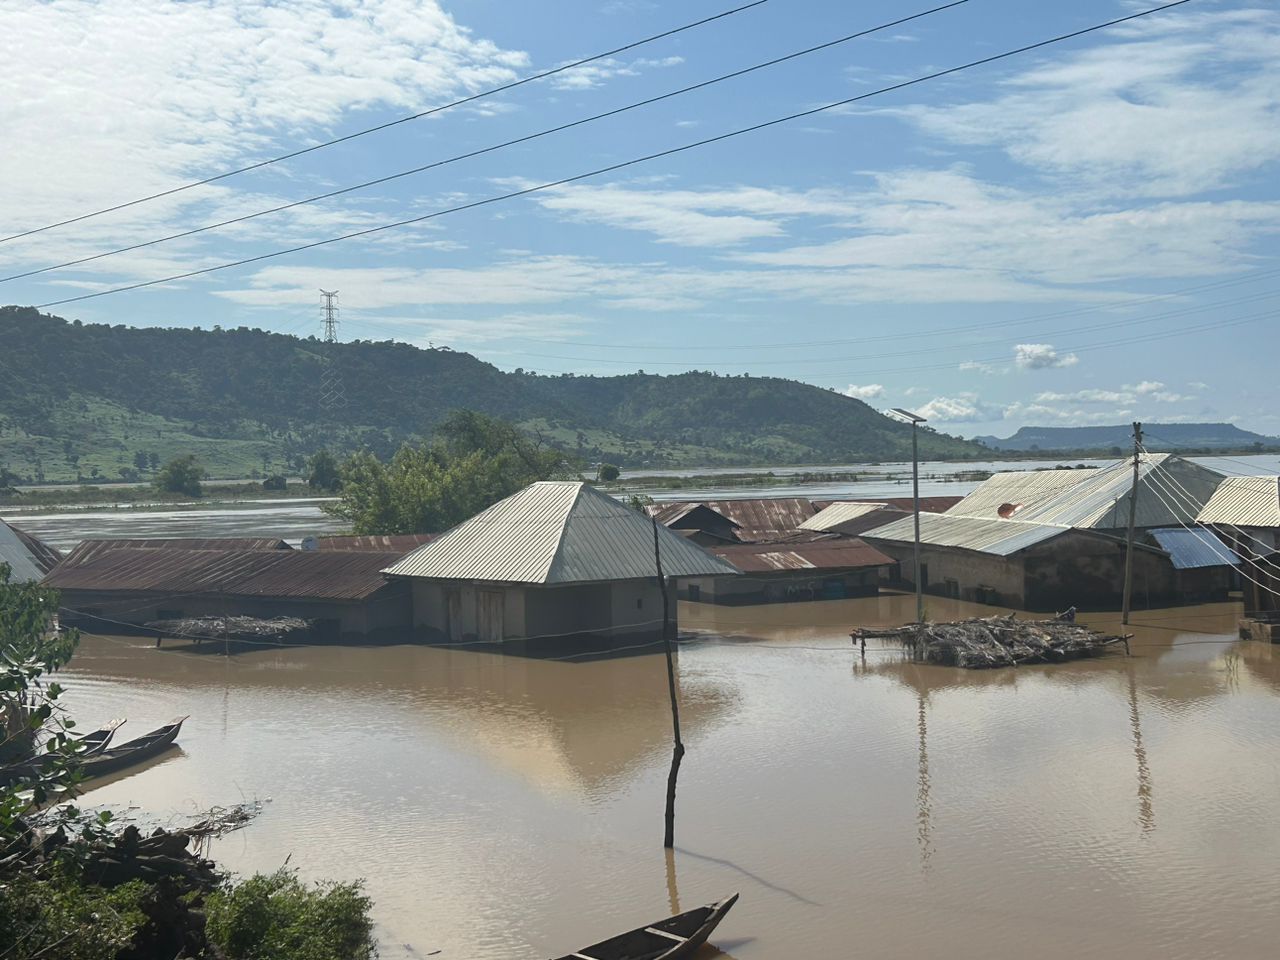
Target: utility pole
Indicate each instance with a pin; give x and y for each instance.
(915, 420)
(1133, 520)
(332, 394)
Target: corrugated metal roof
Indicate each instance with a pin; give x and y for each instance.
(294, 574)
(1192, 549)
(400, 543)
(1244, 502)
(684, 514)
(1100, 501)
(24, 565)
(46, 556)
(819, 555)
(763, 518)
(1008, 494)
(841, 513)
(982, 534)
(907, 504)
(87, 549)
(557, 532)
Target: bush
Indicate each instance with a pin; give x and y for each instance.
(180, 475)
(58, 917)
(275, 482)
(277, 917)
(609, 472)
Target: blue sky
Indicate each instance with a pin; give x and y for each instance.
(1021, 243)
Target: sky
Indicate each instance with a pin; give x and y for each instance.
(1086, 233)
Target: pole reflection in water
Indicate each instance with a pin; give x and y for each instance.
(1146, 808)
(924, 809)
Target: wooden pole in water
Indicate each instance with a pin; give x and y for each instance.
(677, 752)
(1133, 518)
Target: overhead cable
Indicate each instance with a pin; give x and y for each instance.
(392, 123)
(600, 171)
(484, 150)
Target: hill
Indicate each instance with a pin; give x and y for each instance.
(98, 401)
(1159, 436)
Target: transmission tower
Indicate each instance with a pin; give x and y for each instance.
(333, 395)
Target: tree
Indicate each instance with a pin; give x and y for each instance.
(323, 472)
(275, 482)
(140, 460)
(608, 472)
(181, 475)
(473, 463)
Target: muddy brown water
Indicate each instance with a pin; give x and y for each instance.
(503, 808)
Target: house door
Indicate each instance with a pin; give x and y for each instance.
(453, 600)
(489, 616)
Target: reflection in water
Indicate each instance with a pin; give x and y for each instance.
(673, 891)
(1146, 810)
(923, 809)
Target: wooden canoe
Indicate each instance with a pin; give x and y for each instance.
(91, 744)
(134, 751)
(671, 939)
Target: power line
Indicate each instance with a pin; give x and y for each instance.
(391, 123)
(489, 149)
(600, 171)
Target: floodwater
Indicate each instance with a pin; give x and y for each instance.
(297, 518)
(504, 808)
(287, 519)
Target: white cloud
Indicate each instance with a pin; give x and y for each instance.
(1183, 103)
(868, 392)
(599, 72)
(962, 408)
(1041, 356)
(1146, 386)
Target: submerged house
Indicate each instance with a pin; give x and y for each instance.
(835, 568)
(27, 557)
(1031, 566)
(556, 559)
(1046, 540)
(107, 587)
(850, 518)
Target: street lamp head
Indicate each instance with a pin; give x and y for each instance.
(908, 415)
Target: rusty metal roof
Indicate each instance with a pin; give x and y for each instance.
(760, 518)
(907, 504)
(400, 543)
(1244, 502)
(292, 574)
(557, 531)
(818, 555)
(87, 549)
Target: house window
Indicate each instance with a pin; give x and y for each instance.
(640, 603)
(695, 592)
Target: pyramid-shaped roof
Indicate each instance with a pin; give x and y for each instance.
(556, 532)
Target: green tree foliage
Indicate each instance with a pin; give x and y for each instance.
(473, 463)
(57, 916)
(180, 475)
(277, 917)
(608, 472)
(324, 471)
(275, 482)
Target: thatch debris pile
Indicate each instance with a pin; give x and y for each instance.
(984, 642)
(275, 630)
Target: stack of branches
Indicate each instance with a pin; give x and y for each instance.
(277, 629)
(984, 642)
(110, 858)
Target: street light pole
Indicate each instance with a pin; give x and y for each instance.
(915, 421)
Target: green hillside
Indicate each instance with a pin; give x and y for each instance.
(78, 398)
